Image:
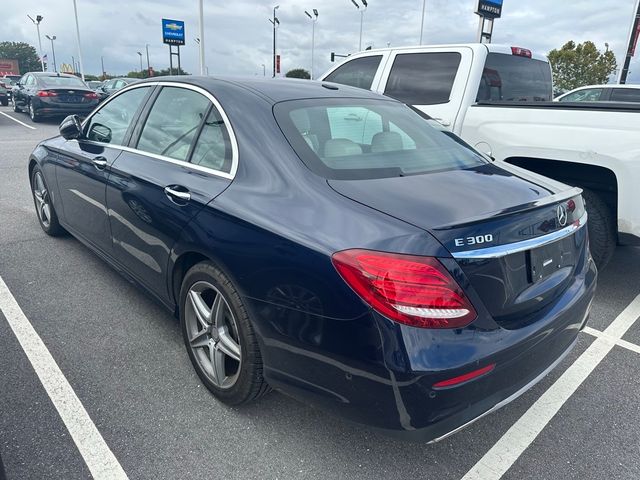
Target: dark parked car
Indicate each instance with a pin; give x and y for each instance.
(4, 94)
(112, 85)
(46, 94)
(9, 81)
(326, 241)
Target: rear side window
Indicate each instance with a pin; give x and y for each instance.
(625, 95)
(512, 78)
(586, 95)
(423, 78)
(173, 122)
(111, 122)
(213, 148)
(356, 73)
(357, 139)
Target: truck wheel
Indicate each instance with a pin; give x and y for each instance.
(602, 228)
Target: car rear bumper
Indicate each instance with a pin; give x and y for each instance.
(60, 109)
(396, 394)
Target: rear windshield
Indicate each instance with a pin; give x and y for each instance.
(512, 78)
(349, 139)
(62, 82)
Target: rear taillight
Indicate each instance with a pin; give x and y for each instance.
(521, 52)
(46, 93)
(416, 291)
(91, 95)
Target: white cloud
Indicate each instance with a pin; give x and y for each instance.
(238, 35)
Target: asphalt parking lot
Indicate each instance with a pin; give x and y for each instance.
(123, 357)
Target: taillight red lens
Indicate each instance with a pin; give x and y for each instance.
(46, 93)
(521, 52)
(416, 291)
(91, 95)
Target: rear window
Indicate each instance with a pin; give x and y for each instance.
(62, 82)
(512, 78)
(625, 95)
(350, 139)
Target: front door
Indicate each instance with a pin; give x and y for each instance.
(83, 167)
(180, 161)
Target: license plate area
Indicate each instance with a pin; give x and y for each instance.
(548, 259)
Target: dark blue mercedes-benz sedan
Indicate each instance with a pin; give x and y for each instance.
(327, 242)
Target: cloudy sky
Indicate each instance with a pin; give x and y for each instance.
(238, 34)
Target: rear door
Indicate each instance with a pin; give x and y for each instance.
(432, 80)
(83, 166)
(182, 155)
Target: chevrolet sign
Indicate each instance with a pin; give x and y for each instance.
(173, 32)
(489, 8)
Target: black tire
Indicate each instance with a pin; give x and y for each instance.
(15, 105)
(33, 113)
(602, 228)
(50, 226)
(249, 384)
(5, 102)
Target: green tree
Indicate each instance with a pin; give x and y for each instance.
(298, 73)
(23, 52)
(583, 64)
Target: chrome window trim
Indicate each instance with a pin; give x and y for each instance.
(509, 248)
(232, 136)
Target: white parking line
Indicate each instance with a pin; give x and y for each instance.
(508, 449)
(621, 343)
(17, 121)
(101, 461)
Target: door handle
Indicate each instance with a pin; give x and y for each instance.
(174, 194)
(100, 163)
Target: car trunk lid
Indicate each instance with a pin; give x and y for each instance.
(517, 238)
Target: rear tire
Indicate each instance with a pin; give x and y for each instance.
(47, 216)
(5, 102)
(238, 380)
(602, 228)
(33, 113)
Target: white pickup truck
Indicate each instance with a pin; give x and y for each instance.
(498, 99)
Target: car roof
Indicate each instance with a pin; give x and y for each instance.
(607, 85)
(274, 90)
(52, 74)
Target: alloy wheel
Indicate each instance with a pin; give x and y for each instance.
(213, 334)
(41, 195)
(32, 112)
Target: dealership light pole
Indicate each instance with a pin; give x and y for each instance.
(362, 10)
(140, 55)
(148, 64)
(75, 11)
(264, 70)
(634, 33)
(275, 22)
(314, 19)
(53, 51)
(36, 22)
(201, 42)
(424, 6)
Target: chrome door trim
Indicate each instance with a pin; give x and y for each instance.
(509, 248)
(212, 99)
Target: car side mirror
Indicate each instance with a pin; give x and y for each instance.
(71, 128)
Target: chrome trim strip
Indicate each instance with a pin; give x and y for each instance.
(216, 103)
(509, 248)
(512, 397)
